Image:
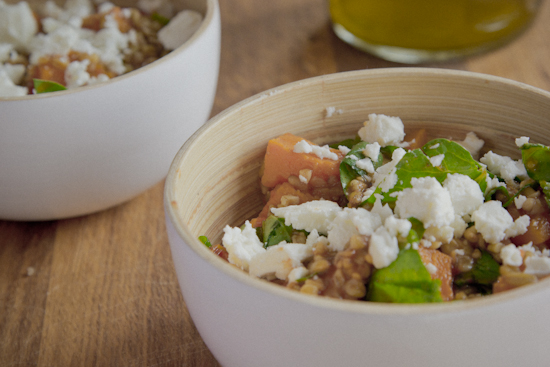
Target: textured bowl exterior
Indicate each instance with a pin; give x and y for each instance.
(250, 322)
(75, 152)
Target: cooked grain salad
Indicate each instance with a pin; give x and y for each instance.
(49, 48)
(381, 219)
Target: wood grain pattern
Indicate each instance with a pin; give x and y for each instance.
(101, 290)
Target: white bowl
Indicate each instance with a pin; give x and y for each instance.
(79, 151)
(245, 321)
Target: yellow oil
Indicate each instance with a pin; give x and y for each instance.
(432, 24)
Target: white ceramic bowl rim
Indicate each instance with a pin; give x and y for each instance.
(360, 307)
(206, 22)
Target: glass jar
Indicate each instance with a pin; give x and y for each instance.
(415, 31)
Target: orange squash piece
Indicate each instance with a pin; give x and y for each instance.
(417, 139)
(538, 232)
(275, 197)
(443, 263)
(281, 161)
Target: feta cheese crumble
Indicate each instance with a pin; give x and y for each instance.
(241, 245)
(310, 215)
(382, 129)
(426, 201)
(322, 152)
(504, 167)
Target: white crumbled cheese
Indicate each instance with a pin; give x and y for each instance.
(435, 146)
(314, 237)
(397, 227)
(511, 255)
(491, 220)
(522, 141)
(459, 252)
(466, 195)
(14, 71)
(76, 74)
(442, 234)
(504, 167)
(180, 29)
(426, 201)
(322, 152)
(297, 273)
(348, 222)
(77, 9)
(8, 88)
(432, 269)
(17, 24)
(493, 183)
(436, 160)
(365, 164)
(383, 248)
(372, 151)
(459, 225)
(537, 265)
(98, 79)
(528, 247)
(58, 42)
(242, 245)
(279, 260)
(6, 51)
(519, 201)
(383, 211)
(310, 215)
(385, 176)
(518, 227)
(383, 129)
(472, 144)
(105, 7)
(345, 150)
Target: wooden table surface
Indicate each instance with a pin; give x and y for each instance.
(101, 290)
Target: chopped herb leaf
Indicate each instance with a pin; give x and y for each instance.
(47, 86)
(275, 231)
(536, 159)
(406, 280)
(160, 19)
(484, 273)
(205, 241)
(417, 231)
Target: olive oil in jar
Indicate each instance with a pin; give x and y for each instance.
(413, 31)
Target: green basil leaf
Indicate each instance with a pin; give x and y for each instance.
(406, 280)
(47, 86)
(205, 241)
(160, 19)
(417, 231)
(536, 159)
(275, 231)
(457, 160)
(546, 190)
(485, 272)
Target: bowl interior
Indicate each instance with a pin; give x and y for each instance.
(214, 179)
